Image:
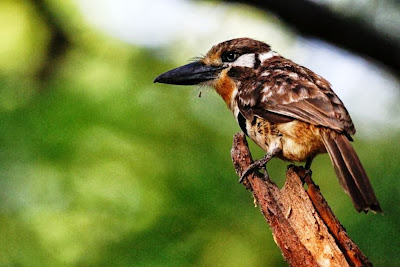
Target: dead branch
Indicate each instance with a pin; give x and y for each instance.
(302, 224)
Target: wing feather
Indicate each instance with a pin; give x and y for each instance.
(287, 89)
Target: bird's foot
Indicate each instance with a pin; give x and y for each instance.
(290, 166)
(259, 164)
(265, 172)
(307, 173)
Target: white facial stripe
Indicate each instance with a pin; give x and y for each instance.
(266, 56)
(246, 60)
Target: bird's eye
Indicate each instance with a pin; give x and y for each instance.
(229, 56)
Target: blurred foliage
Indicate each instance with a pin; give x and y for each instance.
(99, 166)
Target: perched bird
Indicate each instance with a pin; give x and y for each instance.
(286, 109)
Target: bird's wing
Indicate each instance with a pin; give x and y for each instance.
(292, 91)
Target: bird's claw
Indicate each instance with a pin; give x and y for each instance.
(259, 164)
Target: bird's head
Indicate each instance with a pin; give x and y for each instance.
(222, 66)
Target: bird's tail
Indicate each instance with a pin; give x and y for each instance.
(350, 172)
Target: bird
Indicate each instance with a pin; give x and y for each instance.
(288, 110)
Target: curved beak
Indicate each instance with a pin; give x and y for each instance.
(190, 74)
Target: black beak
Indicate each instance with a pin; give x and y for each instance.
(193, 73)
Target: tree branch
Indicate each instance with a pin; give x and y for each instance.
(58, 44)
(303, 225)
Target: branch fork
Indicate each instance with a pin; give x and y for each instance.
(302, 223)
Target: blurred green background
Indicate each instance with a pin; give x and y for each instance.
(100, 167)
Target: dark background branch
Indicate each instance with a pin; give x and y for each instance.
(354, 34)
(58, 43)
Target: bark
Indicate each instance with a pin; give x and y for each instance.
(302, 224)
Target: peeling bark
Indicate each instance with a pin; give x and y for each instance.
(302, 224)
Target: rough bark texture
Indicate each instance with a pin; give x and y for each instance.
(352, 253)
(301, 221)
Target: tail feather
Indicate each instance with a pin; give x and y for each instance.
(350, 172)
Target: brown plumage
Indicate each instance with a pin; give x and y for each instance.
(288, 110)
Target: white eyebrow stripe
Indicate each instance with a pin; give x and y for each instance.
(246, 60)
(265, 56)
